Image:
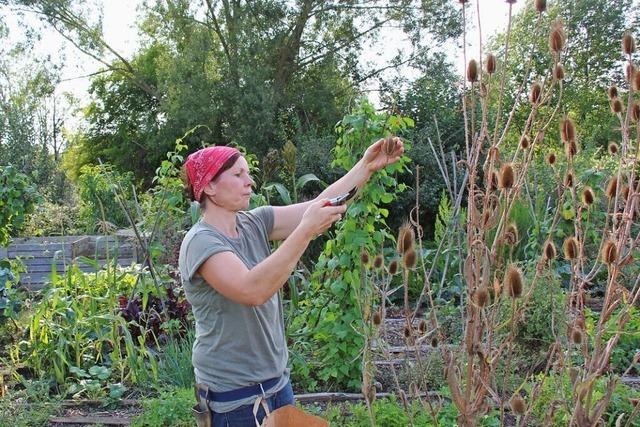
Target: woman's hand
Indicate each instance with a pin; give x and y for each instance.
(383, 152)
(318, 217)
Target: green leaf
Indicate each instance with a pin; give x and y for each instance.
(281, 189)
(305, 179)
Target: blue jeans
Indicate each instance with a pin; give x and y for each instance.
(243, 416)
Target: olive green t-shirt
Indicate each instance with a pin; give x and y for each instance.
(235, 345)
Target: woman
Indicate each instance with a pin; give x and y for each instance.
(232, 279)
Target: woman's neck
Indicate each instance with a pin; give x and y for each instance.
(222, 219)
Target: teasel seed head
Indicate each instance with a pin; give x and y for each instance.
(616, 105)
(377, 318)
(407, 331)
(570, 248)
(609, 252)
(494, 153)
(409, 259)
(558, 72)
(571, 148)
(434, 342)
(364, 258)
(513, 282)
(490, 63)
(506, 178)
(551, 158)
(630, 72)
(536, 93)
(549, 250)
(625, 192)
(510, 235)
(406, 238)
(393, 267)
(472, 71)
(482, 297)
(628, 44)
(422, 326)
(576, 336)
(612, 187)
(517, 405)
(635, 111)
(493, 181)
(569, 180)
(557, 38)
(541, 5)
(378, 262)
(612, 92)
(567, 130)
(389, 145)
(525, 142)
(613, 148)
(588, 197)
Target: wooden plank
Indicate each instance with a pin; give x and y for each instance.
(80, 247)
(3, 252)
(342, 397)
(84, 420)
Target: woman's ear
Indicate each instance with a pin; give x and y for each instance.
(209, 189)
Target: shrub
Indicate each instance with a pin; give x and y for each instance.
(171, 408)
(17, 199)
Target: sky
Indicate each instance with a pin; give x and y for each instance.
(119, 30)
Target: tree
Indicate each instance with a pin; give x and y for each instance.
(251, 72)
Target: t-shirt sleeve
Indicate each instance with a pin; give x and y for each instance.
(202, 246)
(264, 216)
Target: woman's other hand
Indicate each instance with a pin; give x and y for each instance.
(383, 152)
(318, 217)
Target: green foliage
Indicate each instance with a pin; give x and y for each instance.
(10, 303)
(75, 326)
(171, 408)
(389, 412)
(28, 404)
(17, 199)
(99, 208)
(330, 314)
(52, 219)
(556, 394)
(629, 343)
(174, 364)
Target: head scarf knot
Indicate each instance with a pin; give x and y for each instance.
(204, 164)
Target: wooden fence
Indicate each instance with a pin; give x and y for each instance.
(41, 254)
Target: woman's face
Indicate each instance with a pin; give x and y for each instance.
(232, 188)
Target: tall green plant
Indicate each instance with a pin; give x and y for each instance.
(330, 313)
(17, 199)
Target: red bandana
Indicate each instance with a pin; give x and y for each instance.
(204, 164)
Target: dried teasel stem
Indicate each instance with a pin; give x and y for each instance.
(630, 72)
(506, 178)
(570, 248)
(389, 145)
(491, 63)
